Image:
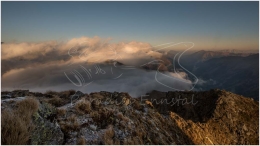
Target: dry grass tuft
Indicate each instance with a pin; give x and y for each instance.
(137, 132)
(97, 96)
(57, 101)
(16, 125)
(136, 141)
(136, 104)
(117, 142)
(26, 108)
(61, 111)
(95, 103)
(108, 135)
(83, 106)
(67, 94)
(13, 129)
(95, 116)
(128, 141)
(28, 105)
(71, 124)
(120, 116)
(81, 141)
(126, 119)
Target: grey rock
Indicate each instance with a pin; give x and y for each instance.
(93, 127)
(145, 110)
(79, 93)
(46, 132)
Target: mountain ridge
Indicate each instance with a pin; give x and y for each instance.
(214, 117)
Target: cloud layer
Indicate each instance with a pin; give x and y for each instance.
(85, 64)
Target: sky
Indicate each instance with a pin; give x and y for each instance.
(209, 25)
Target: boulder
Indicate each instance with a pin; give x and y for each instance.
(79, 94)
(47, 131)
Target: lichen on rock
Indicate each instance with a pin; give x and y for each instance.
(47, 131)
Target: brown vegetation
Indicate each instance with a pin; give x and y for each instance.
(95, 116)
(136, 104)
(215, 119)
(81, 141)
(108, 135)
(61, 111)
(120, 116)
(57, 101)
(83, 106)
(97, 96)
(27, 106)
(95, 104)
(50, 92)
(71, 124)
(67, 94)
(16, 124)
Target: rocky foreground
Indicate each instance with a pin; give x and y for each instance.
(69, 117)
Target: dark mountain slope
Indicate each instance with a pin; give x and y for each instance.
(236, 74)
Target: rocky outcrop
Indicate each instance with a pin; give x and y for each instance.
(47, 131)
(165, 118)
(212, 117)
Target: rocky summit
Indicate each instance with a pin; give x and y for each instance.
(165, 118)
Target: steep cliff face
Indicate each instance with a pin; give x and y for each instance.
(210, 117)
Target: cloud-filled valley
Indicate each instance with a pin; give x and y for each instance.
(88, 65)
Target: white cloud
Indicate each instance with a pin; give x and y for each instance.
(41, 66)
